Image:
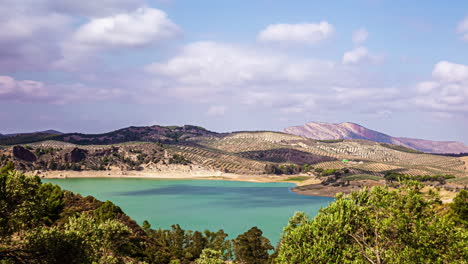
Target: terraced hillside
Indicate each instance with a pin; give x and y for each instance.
(240, 153)
(361, 154)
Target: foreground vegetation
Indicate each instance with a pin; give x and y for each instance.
(41, 223)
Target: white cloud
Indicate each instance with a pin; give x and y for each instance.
(360, 36)
(27, 38)
(142, 27)
(224, 66)
(360, 55)
(305, 33)
(217, 110)
(215, 73)
(37, 91)
(447, 92)
(92, 8)
(356, 55)
(426, 87)
(445, 71)
(462, 29)
(7, 84)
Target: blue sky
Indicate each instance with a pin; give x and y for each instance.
(400, 67)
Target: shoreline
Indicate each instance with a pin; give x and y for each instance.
(262, 178)
(308, 187)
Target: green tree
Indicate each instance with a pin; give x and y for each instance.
(376, 226)
(194, 245)
(107, 240)
(21, 207)
(51, 245)
(146, 225)
(251, 247)
(106, 211)
(52, 198)
(210, 256)
(460, 207)
(217, 241)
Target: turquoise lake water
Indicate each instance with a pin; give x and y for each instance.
(232, 206)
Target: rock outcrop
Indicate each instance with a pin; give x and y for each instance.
(22, 153)
(76, 155)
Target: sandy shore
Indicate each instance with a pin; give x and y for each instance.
(176, 172)
(309, 187)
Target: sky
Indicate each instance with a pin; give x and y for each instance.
(399, 67)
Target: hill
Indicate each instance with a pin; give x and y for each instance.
(246, 153)
(192, 150)
(347, 130)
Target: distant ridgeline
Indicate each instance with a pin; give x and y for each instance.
(452, 155)
(41, 223)
(143, 134)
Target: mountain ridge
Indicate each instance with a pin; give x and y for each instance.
(349, 130)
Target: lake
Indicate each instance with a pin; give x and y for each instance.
(232, 206)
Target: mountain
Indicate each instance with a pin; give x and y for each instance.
(347, 130)
(145, 133)
(50, 131)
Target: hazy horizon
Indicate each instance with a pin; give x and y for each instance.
(397, 67)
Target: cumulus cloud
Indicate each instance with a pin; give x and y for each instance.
(92, 8)
(360, 36)
(32, 29)
(360, 55)
(24, 89)
(447, 92)
(142, 27)
(462, 29)
(208, 67)
(27, 38)
(305, 33)
(447, 72)
(211, 72)
(37, 91)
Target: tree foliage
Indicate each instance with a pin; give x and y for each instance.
(251, 247)
(377, 226)
(210, 256)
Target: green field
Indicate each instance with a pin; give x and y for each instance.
(360, 177)
(297, 178)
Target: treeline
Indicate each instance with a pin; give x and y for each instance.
(288, 169)
(394, 176)
(452, 154)
(291, 169)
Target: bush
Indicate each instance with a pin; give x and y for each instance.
(329, 172)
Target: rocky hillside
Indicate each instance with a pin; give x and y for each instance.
(144, 134)
(327, 131)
